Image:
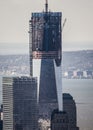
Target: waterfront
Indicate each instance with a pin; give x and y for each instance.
(82, 92)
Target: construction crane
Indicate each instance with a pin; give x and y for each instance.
(46, 6)
(64, 24)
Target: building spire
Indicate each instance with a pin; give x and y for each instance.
(46, 6)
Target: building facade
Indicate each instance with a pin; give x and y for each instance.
(69, 106)
(67, 119)
(59, 120)
(20, 110)
(46, 57)
(1, 117)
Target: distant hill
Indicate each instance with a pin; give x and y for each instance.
(82, 60)
(19, 64)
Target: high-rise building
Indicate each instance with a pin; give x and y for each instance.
(1, 125)
(46, 57)
(59, 120)
(1, 112)
(67, 119)
(20, 110)
(69, 106)
(1, 119)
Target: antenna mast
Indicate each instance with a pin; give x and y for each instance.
(46, 6)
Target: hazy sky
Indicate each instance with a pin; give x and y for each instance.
(15, 15)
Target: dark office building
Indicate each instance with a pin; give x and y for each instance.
(1, 120)
(89, 73)
(59, 120)
(1, 112)
(80, 74)
(69, 106)
(20, 110)
(67, 119)
(1, 125)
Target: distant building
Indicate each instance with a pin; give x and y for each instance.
(89, 74)
(1, 112)
(67, 119)
(79, 74)
(74, 74)
(59, 120)
(1, 125)
(70, 107)
(84, 74)
(70, 74)
(1, 118)
(20, 110)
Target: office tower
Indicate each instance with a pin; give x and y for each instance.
(1, 119)
(69, 106)
(59, 120)
(1, 112)
(20, 103)
(1, 125)
(46, 57)
(65, 120)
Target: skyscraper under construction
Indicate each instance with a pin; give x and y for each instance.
(46, 57)
(30, 103)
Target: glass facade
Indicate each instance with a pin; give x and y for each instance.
(46, 35)
(20, 103)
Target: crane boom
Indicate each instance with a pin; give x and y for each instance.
(46, 6)
(64, 24)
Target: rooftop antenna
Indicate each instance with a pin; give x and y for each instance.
(46, 6)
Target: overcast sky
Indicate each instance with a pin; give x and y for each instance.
(15, 15)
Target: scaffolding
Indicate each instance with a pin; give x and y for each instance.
(45, 35)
